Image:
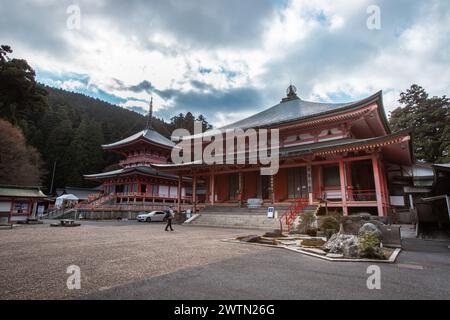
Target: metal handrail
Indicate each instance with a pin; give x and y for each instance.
(292, 212)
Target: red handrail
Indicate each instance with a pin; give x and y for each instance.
(292, 212)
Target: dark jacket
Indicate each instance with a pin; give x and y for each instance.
(168, 215)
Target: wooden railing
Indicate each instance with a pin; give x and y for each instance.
(150, 195)
(292, 212)
(361, 195)
(97, 201)
(350, 195)
(142, 159)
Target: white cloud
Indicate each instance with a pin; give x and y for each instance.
(322, 46)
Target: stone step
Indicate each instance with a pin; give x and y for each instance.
(228, 209)
(236, 221)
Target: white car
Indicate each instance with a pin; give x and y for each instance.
(151, 216)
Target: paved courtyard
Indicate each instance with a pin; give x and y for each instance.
(130, 260)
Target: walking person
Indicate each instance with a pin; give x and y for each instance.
(169, 216)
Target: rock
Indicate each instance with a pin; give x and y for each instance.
(350, 251)
(370, 228)
(340, 243)
(251, 238)
(274, 234)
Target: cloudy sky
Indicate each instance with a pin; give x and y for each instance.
(228, 59)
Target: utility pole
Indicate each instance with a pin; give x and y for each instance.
(53, 177)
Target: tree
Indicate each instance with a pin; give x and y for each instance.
(429, 118)
(186, 121)
(22, 101)
(57, 134)
(84, 154)
(205, 124)
(20, 164)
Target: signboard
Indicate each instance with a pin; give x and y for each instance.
(40, 211)
(270, 212)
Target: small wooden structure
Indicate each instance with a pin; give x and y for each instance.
(19, 203)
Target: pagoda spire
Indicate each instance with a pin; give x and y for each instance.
(150, 115)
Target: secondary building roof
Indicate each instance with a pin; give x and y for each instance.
(127, 171)
(21, 192)
(147, 134)
(80, 193)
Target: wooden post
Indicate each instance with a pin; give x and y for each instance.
(180, 179)
(241, 187)
(194, 193)
(11, 211)
(272, 188)
(377, 178)
(385, 189)
(213, 185)
(309, 180)
(348, 176)
(343, 193)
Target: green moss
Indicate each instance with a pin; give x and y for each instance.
(312, 242)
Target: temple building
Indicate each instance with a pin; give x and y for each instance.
(137, 186)
(333, 155)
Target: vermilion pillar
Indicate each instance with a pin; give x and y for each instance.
(179, 192)
(343, 193)
(385, 190)
(348, 177)
(378, 185)
(213, 185)
(241, 189)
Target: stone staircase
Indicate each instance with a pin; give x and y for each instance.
(227, 216)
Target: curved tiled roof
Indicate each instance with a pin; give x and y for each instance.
(147, 134)
(147, 170)
(289, 110)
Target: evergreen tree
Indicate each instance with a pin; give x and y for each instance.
(68, 128)
(429, 118)
(22, 101)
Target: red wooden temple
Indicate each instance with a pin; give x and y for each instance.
(331, 154)
(137, 185)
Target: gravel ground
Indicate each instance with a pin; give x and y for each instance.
(34, 259)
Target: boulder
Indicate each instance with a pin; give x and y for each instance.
(250, 238)
(274, 234)
(370, 228)
(351, 251)
(341, 243)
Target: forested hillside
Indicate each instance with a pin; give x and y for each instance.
(67, 129)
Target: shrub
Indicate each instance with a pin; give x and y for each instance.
(306, 222)
(312, 242)
(312, 232)
(329, 223)
(369, 247)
